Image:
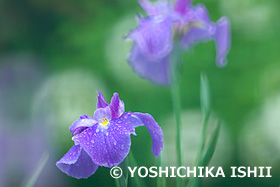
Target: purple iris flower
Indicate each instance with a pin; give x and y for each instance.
(154, 37)
(104, 140)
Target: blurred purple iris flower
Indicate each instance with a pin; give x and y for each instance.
(154, 37)
(104, 140)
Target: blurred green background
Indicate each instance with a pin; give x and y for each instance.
(54, 55)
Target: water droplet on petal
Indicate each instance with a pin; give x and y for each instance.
(107, 133)
(97, 130)
(115, 143)
(92, 141)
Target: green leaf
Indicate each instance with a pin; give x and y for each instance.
(124, 178)
(136, 180)
(204, 94)
(212, 146)
(207, 156)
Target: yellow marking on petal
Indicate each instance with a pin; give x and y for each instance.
(105, 121)
(178, 32)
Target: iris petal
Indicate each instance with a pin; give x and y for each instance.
(81, 124)
(203, 32)
(121, 108)
(115, 106)
(101, 102)
(155, 71)
(139, 119)
(222, 40)
(154, 37)
(181, 6)
(77, 163)
(103, 113)
(107, 146)
(156, 8)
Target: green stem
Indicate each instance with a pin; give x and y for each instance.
(161, 181)
(176, 60)
(124, 178)
(158, 164)
(118, 184)
(177, 110)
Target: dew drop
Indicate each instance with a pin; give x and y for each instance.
(115, 143)
(92, 141)
(107, 133)
(97, 130)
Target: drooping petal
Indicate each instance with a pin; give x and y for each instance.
(109, 145)
(182, 6)
(101, 102)
(103, 113)
(154, 37)
(156, 8)
(222, 40)
(156, 71)
(81, 124)
(77, 163)
(140, 119)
